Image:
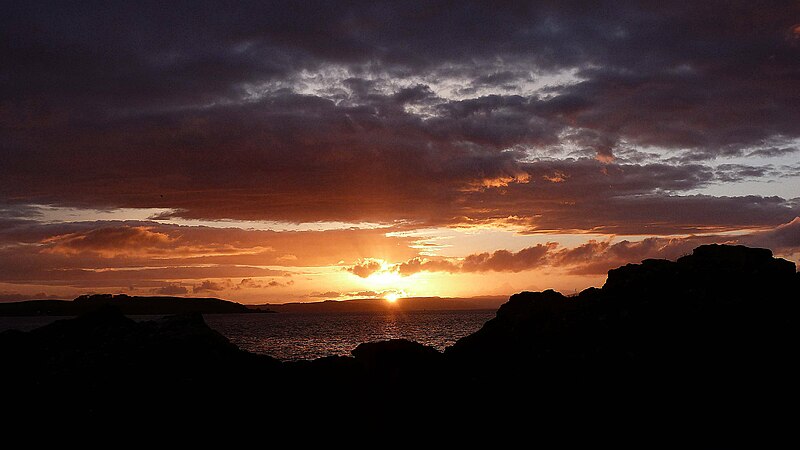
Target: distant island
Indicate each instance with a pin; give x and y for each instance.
(132, 305)
(381, 305)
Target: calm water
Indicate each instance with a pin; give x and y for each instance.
(292, 336)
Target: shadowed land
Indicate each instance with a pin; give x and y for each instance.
(132, 305)
(712, 335)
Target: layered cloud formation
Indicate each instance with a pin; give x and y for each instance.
(616, 118)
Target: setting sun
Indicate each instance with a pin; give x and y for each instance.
(391, 297)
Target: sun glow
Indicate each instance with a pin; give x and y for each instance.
(391, 297)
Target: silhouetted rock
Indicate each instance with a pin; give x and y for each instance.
(397, 358)
(76, 364)
(712, 335)
(723, 314)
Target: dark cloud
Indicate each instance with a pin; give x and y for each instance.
(505, 77)
(785, 237)
(423, 112)
(248, 283)
(505, 261)
(364, 294)
(740, 172)
(329, 294)
(651, 213)
(420, 264)
(365, 268)
(773, 151)
(210, 286)
(499, 261)
(171, 289)
(110, 241)
(596, 257)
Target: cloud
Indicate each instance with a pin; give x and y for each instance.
(329, 294)
(109, 242)
(773, 151)
(116, 254)
(248, 283)
(171, 289)
(610, 118)
(506, 261)
(741, 172)
(785, 237)
(596, 257)
(379, 113)
(365, 268)
(364, 294)
(498, 261)
(211, 286)
(420, 264)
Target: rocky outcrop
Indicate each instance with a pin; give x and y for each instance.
(103, 362)
(722, 311)
(712, 334)
(398, 360)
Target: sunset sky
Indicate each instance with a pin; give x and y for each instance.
(301, 151)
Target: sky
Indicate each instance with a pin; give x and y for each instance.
(302, 151)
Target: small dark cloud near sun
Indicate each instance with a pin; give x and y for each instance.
(210, 286)
(171, 289)
(328, 294)
(365, 268)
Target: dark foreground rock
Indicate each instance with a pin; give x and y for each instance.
(104, 362)
(722, 308)
(710, 337)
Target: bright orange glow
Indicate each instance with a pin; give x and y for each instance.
(391, 297)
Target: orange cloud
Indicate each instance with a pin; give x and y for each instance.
(594, 257)
(109, 242)
(365, 268)
(506, 261)
(211, 286)
(418, 264)
(329, 294)
(557, 177)
(143, 241)
(498, 261)
(171, 289)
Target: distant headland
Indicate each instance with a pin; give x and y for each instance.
(132, 305)
(381, 305)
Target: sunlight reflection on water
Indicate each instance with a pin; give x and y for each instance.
(293, 336)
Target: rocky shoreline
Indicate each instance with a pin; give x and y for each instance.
(715, 330)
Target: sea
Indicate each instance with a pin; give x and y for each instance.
(292, 336)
